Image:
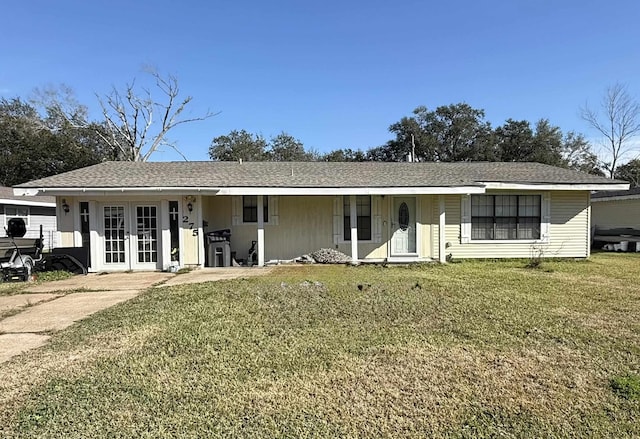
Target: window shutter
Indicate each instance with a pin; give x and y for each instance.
(236, 210)
(465, 219)
(337, 220)
(273, 210)
(545, 212)
(376, 208)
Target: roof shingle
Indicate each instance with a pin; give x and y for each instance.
(310, 174)
(6, 193)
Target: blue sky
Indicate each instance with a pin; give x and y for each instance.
(334, 74)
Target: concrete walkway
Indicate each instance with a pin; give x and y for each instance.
(53, 306)
(17, 301)
(104, 282)
(58, 314)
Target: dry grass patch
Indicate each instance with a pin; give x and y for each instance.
(475, 349)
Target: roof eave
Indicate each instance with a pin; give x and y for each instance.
(26, 202)
(557, 186)
(615, 198)
(86, 191)
(408, 190)
(252, 190)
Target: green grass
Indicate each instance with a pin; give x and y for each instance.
(472, 349)
(16, 287)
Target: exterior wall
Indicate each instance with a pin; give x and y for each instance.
(568, 231)
(616, 213)
(38, 215)
(191, 228)
(304, 224)
(191, 253)
(66, 225)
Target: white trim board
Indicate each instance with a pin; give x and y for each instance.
(557, 186)
(26, 203)
(409, 190)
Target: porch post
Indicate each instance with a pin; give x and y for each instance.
(200, 230)
(589, 236)
(165, 234)
(260, 231)
(441, 232)
(95, 241)
(354, 228)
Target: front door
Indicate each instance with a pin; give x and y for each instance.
(403, 224)
(116, 238)
(145, 238)
(131, 237)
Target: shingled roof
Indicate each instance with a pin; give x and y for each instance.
(6, 194)
(635, 192)
(309, 175)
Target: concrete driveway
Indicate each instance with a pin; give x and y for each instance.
(53, 306)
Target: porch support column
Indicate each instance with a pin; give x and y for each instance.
(260, 230)
(441, 232)
(354, 228)
(95, 241)
(200, 230)
(165, 234)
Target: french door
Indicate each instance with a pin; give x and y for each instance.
(403, 223)
(131, 237)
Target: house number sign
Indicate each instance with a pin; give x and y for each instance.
(185, 220)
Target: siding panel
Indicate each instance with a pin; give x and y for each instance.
(610, 214)
(569, 231)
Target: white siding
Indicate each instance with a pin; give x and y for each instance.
(45, 216)
(611, 214)
(304, 224)
(568, 231)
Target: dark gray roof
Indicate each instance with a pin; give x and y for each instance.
(609, 194)
(309, 174)
(6, 193)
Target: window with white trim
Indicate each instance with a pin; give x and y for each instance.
(16, 212)
(506, 217)
(363, 213)
(250, 208)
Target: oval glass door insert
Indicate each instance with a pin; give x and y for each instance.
(403, 216)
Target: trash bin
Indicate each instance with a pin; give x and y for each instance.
(219, 248)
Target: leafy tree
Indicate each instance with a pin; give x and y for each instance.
(630, 172)
(253, 147)
(286, 148)
(346, 155)
(547, 144)
(518, 142)
(514, 141)
(617, 120)
(455, 132)
(239, 145)
(577, 154)
(32, 147)
(460, 132)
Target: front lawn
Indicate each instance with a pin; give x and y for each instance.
(471, 349)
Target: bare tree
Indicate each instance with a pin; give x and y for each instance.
(618, 120)
(137, 124)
